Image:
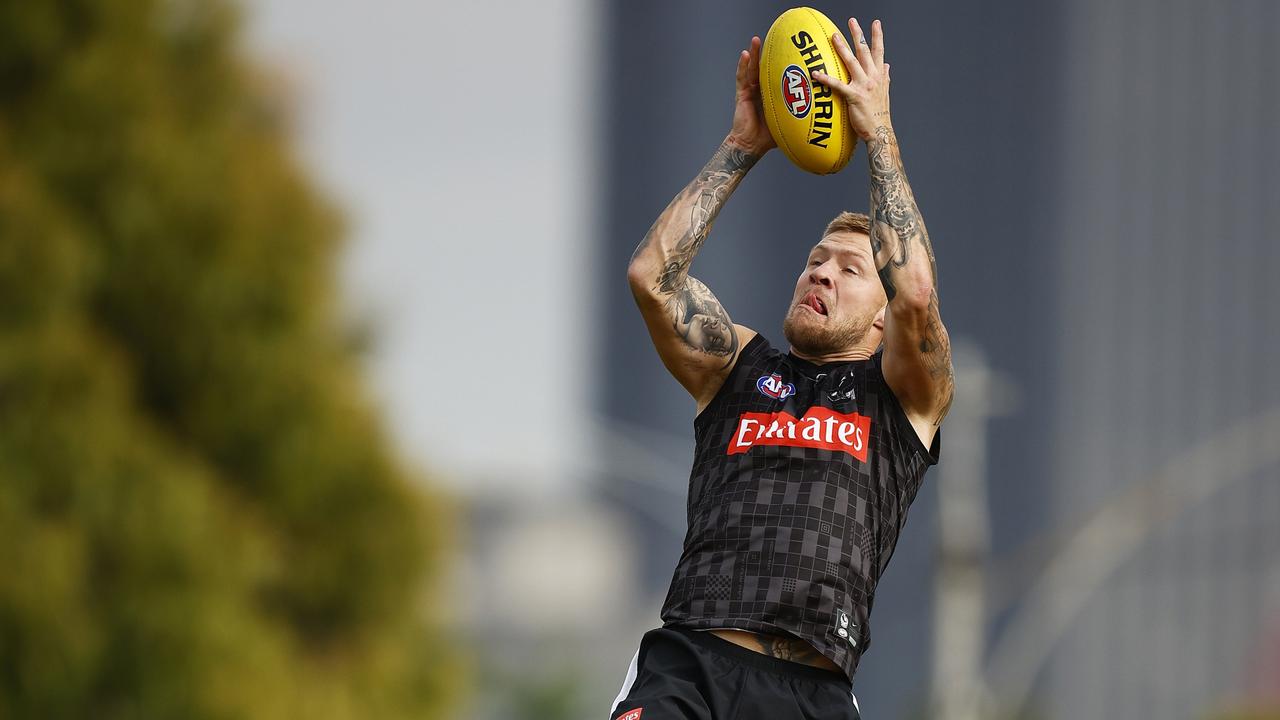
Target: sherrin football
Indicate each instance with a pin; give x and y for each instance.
(806, 118)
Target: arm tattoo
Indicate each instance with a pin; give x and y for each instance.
(896, 225)
(706, 195)
(895, 220)
(701, 321)
(935, 349)
(697, 316)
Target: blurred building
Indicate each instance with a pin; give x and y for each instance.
(1100, 183)
(1165, 260)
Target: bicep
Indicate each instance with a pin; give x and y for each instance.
(917, 364)
(694, 336)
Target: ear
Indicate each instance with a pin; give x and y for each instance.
(878, 323)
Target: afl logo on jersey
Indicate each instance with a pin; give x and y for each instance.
(797, 94)
(772, 386)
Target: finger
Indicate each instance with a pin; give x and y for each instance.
(837, 87)
(753, 64)
(851, 64)
(860, 47)
(877, 43)
(887, 79)
(744, 58)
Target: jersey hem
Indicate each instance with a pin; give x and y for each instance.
(758, 627)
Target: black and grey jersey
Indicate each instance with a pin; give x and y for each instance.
(801, 480)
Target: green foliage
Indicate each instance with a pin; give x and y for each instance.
(1266, 711)
(199, 514)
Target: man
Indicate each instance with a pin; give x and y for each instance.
(806, 461)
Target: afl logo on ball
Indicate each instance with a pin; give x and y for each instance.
(772, 386)
(797, 94)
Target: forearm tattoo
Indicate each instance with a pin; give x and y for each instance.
(897, 226)
(895, 220)
(696, 314)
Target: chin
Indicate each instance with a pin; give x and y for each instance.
(806, 334)
(815, 337)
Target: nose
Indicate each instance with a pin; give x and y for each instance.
(819, 275)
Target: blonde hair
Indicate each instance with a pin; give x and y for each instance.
(849, 222)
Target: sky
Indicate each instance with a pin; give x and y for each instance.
(458, 140)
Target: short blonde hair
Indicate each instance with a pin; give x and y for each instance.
(849, 222)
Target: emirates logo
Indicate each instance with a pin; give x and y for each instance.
(819, 428)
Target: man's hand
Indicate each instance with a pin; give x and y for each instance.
(749, 133)
(867, 92)
(917, 348)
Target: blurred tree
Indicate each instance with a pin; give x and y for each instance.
(199, 514)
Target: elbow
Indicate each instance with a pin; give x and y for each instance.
(916, 294)
(636, 275)
(640, 277)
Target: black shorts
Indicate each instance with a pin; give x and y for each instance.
(682, 673)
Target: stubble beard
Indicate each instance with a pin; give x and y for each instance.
(817, 338)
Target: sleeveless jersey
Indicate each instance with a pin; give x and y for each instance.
(801, 480)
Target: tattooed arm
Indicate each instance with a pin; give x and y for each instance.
(690, 328)
(917, 349)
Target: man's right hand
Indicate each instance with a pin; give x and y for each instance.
(749, 132)
(867, 92)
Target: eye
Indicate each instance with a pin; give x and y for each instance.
(814, 262)
(851, 271)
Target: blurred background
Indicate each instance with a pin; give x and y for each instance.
(322, 393)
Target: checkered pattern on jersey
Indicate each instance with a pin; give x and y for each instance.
(784, 539)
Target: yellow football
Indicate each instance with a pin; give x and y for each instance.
(806, 118)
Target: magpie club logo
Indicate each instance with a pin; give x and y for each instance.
(772, 386)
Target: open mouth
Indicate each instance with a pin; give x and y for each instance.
(812, 302)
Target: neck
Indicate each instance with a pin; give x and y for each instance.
(850, 355)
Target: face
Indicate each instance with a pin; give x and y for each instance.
(838, 297)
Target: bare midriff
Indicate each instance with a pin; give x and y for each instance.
(777, 646)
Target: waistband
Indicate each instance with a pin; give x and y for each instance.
(745, 656)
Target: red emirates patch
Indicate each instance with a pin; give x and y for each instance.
(631, 714)
(819, 428)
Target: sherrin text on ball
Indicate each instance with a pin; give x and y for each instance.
(805, 118)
